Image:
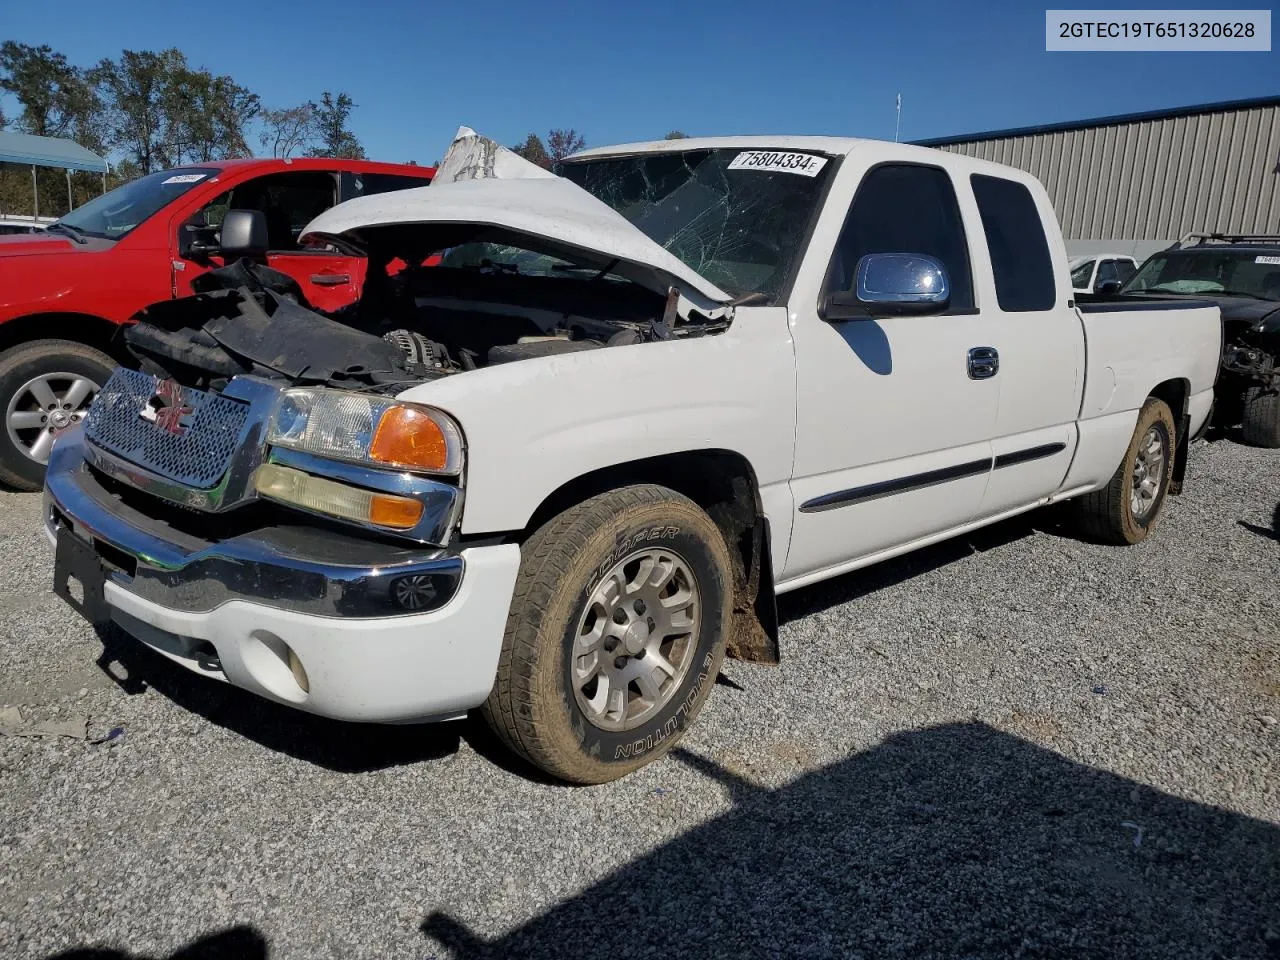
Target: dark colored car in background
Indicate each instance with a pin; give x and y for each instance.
(65, 290)
(1240, 273)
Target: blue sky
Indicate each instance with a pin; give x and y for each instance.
(621, 72)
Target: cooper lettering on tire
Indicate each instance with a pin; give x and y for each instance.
(615, 635)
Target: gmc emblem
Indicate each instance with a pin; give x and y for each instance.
(165, 408)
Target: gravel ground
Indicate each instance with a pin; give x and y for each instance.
(1015, 744)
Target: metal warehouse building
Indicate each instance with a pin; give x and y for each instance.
(1138, 182)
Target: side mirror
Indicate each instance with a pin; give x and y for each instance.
(1107, 288)
(244, 234)
(892, 284)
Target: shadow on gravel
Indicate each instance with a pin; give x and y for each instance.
(237, 943)
(1271, 534)
(888, 573)
(333, 744)
(958, 841)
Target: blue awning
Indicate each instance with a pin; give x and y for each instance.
(30, 150)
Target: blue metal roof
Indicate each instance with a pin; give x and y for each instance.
(1166, 114)
(27, 149)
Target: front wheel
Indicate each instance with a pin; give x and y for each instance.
(45, 386)
(1127, 509)
(615, 635)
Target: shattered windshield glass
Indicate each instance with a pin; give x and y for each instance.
(737, 217)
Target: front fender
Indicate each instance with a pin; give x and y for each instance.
(534, 425)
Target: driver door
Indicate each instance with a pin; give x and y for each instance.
(289, 201)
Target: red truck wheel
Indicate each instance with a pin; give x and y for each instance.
(45, 386)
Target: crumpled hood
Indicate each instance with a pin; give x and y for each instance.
(481, 183)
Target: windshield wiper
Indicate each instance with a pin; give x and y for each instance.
(75, 233)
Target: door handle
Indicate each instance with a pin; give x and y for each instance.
(330, 279)
(984, 363)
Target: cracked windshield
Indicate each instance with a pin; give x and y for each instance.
(741, 226)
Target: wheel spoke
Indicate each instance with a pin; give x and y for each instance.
(617, 709)
(78, 393)
(40, 449)
(43, 393)
(661, 663)
(586, 667)
(598, 703)
(662, 574)
(642, 575)
(26, 419)
(649, 687)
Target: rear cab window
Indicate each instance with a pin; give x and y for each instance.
(1016, 242)
(367, 184)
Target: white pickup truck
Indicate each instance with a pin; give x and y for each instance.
(582, 428)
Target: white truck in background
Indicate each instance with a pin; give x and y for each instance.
(559, 473)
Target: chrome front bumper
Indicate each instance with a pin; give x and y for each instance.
(304, 569)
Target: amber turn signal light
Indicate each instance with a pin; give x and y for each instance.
(409, 437)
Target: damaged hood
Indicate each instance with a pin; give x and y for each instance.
(482, 184)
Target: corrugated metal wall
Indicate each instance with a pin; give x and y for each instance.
(1154, 179)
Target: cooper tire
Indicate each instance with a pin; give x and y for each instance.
(59, 363)
(1108, 514)
(539, 706)
(1260, 421)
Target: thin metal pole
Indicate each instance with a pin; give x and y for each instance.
(71, 203)
(897, 123)
(35, 194)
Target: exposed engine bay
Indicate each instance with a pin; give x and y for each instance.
(412, 324)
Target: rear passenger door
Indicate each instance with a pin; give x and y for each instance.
(892, 434)
(1039, 340)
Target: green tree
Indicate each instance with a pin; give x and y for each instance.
(533, 150)
(287, 130)
(206, 117)
(57, 99)
(335, 140)
(137, 92)
(676, 135)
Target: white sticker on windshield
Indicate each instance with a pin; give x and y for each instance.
(185, 178)
(1266, 260)
(805, 164)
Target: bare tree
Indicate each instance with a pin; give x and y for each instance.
(562, 143)
(288, 129)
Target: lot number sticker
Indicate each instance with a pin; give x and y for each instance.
(1266, 260)
(185, 178)
(805, 164)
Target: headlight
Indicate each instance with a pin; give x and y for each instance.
(365, 429)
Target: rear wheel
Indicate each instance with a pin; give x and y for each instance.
(45, 386)
(615, 636)
(1127, 509)
(1260, 421)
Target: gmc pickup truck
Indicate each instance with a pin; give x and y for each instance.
(558, 476)
(65, 291)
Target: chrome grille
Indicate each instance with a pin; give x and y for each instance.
(196, 457)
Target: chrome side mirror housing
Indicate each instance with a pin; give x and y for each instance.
(892, 284)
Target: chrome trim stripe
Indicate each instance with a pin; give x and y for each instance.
(888, 488)
(917, 481)
(1031, 453)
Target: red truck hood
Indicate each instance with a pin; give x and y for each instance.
(32, 244)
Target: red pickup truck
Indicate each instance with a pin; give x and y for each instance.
(65, 291)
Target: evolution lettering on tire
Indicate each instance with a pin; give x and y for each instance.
(615, 635)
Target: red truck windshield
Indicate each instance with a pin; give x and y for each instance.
(114, 214)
